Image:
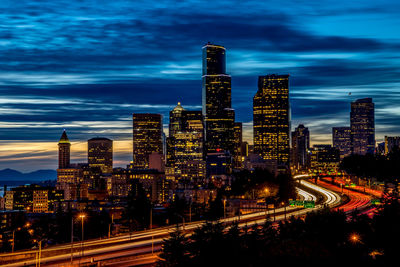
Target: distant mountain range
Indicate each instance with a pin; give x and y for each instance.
(36, 176)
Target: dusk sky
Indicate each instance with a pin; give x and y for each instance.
(86, 66)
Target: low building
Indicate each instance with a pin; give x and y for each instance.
(325, 158)
(32, 198)
(391, 143)
(153, 181)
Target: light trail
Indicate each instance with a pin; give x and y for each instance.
(141, 240)
(357, 200)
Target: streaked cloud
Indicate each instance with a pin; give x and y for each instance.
(87, 67)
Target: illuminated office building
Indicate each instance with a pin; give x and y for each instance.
(341, 139)
(324, 158)
(391, 143)
(100, 154)
(362, 124)
(216, 97)
(300, 147)
(176, 120)
(147, 129)
(271, 119)
(239, 152)
(185, 141)
(64, 151)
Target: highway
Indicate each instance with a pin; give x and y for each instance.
(143, 243)
(357, 200)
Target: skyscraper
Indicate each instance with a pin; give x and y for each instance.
(300, 146)
(217, 111)
(391, 143)
(362, 124)
(64, 150)
(147, 129)
(341, 139)
(100, 154)
(176, 120)
(238, 140)
(185, 141)
(271, 119)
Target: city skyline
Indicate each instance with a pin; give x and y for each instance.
(46, 91)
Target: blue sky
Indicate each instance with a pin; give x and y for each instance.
(87, 65)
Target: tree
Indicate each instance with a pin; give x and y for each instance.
(174, 252)
(137, 212)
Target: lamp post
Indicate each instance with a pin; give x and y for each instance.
(151, 227)
(266, 190)
(40, 252)
(72, 238)
(284, 206)
(109, 225)
(224, 208)
(13, 243)
(82, 216)
(190, 210)
(183, 221)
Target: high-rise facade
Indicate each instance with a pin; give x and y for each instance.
(362, 124)
(100, 154)
(238, 157)
(271, 119)
(216, 97)
(176, 120)
(341, 139)
(300, 147)
(391, 143)
(147, 138)
(185, 141)
(64, 151)
(324, 158)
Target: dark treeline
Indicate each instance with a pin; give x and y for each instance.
(324, 238)
(381, 167)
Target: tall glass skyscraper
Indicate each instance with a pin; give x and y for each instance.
(271, 126)
(219, 117)
(362, 124)
(147, 138)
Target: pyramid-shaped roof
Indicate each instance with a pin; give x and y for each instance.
(178, 107)
(64, 138)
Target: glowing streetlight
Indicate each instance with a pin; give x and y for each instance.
(355, 238)
(82, 216)
(284, 206)
(224, 207)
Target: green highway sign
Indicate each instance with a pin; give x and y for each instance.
(309, 204)
(301, 203)
(375, 201)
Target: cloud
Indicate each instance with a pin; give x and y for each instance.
(87, 67)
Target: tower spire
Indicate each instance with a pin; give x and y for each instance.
(64, 150)
(64, 138)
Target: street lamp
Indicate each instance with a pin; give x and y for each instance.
(13, 239)
(82, 216)
(183, 221)
(284, 206)
(72, 238)
(224, 208)
(355, 238)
